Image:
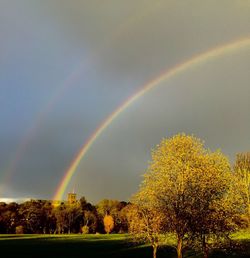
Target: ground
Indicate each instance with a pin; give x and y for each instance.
(91, 246)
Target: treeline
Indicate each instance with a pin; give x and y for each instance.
(42, 217)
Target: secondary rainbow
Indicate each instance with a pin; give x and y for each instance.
(166, 75)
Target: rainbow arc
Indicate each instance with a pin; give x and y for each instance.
(166, 75)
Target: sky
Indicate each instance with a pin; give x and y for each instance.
(65, 66)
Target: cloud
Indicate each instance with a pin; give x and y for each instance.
(17, 200)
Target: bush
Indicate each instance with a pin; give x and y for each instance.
(85, 229)
(19, 230)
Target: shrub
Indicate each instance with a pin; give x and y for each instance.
(19, 230)
(85, 229)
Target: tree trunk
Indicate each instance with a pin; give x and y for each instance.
(154, 250)
(179, 247)
(204, 247)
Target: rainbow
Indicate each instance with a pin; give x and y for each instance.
(166, 75)
(89, 60)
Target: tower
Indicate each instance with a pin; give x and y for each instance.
(71, 198)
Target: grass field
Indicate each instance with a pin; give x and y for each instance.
(91, 246)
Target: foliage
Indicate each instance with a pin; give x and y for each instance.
(8, 217)
(113, 208)
(90, 220)
(61, 218)
(68, 218)
(19, 229)
(123, 222)
(192, 187)
(242, 172)
(145, 224)
(108, 222)
(85, 229)
(106, 206)
(42, 216)
(32, 216)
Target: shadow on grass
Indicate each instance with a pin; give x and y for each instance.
(77, 247)
(113, 246)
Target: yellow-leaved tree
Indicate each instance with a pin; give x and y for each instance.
(242, 172)
(146, 224)
(109, 224)
(192, 188)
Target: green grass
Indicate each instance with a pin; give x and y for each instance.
(104, 246)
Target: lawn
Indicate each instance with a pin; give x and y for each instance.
(91, 246)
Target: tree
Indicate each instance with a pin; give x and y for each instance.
(216, 203)
(124, 219)
(90, 220)
(145, 223)
(32, 216)
(109, 224)
(73, 216)
(85, 205)
(188, 182)
(242, 171)
(106, 206)
(49, 224)
(8, 217)
(113, 208)
(60, 214)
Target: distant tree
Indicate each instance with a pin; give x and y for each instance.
(189, 184)
(32, 216)
(8, 217)
(73, 215)
(60, 214)
(2, 221)
(106, 206)
(49, 221)
(86, 205)
(90, 220)
(242, 171)
(83, 202)
(121, 225)
(113, 208)
(108, 222)
(123, 219)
